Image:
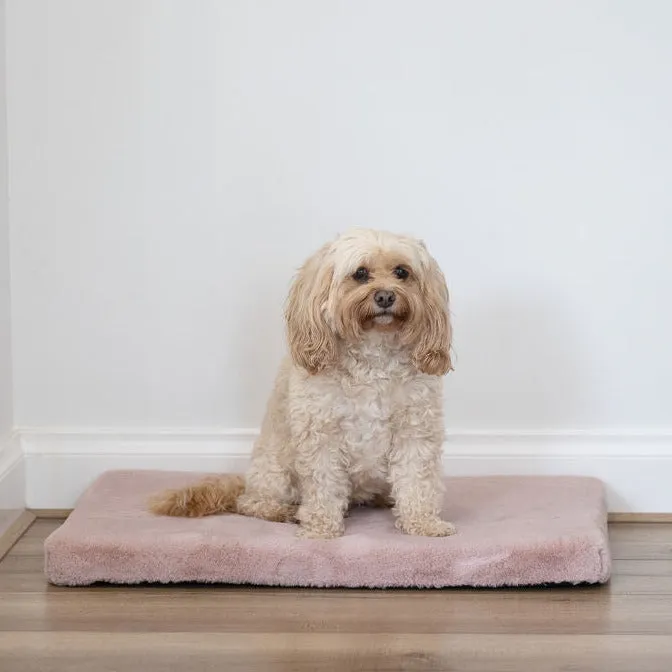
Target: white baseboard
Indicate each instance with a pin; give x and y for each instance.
(12, 474)
(635, 467)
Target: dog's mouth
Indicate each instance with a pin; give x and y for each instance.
(381, 318)
(387, 318)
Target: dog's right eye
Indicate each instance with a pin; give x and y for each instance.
(361, 274)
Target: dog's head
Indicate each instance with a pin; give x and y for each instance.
(369, 280)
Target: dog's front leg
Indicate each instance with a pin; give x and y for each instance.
(324, 488)
(417, 483)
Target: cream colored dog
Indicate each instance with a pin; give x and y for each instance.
(355, 417)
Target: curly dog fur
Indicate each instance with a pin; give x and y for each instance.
(355, 417)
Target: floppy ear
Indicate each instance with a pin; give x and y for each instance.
(312, 343)
(431, 354)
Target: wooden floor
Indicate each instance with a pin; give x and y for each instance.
(625, 626)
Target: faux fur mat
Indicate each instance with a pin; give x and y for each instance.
(511, 531)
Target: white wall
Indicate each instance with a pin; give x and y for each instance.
(12, 477)
(173, 162)
(5, 298)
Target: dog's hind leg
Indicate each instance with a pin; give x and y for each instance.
(269, 491)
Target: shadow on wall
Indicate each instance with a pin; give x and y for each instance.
(517, 366)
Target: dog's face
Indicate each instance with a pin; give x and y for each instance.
(369, 280)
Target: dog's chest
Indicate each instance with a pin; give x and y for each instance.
(371, 396)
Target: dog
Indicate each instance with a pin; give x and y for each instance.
(356, 414)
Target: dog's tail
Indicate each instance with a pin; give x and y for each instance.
(210, 496)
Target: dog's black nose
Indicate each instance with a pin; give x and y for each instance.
(384, 298)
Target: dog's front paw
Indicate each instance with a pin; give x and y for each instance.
(311, 533)
(320, 530)
(316, 523)
(427, 527)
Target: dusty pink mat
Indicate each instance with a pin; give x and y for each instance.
(511, 531)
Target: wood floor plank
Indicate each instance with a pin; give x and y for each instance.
(633, 541)
(650, 532)
(28, 546)
(13, 564)
(658, 568)
(253, 610)
(303, 652)
(42, 527)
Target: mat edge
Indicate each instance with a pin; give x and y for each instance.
(615, 517)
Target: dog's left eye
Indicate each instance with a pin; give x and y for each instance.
(401, 272)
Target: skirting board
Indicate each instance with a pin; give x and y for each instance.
(635, 467)
(12, 526)
(12, 474)
(14, 519)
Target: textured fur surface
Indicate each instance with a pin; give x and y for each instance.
(355, 417)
